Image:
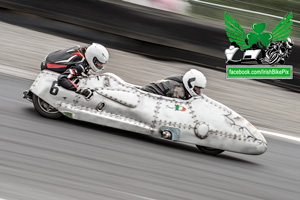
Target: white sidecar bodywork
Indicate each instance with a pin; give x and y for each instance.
(201, 121)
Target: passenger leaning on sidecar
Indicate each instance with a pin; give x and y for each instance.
(76, 61)
(183, 87)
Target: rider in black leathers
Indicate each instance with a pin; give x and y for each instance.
(170, 87)
(281, 49)
(76, 61)
(182, 87)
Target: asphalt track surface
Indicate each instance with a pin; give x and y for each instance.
(64, 159)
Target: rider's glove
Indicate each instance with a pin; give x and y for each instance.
(85, 92)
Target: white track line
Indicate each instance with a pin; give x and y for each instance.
(297, 139)
(244, 10)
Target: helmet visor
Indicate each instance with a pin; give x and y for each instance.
(197, 90)
(99, 65)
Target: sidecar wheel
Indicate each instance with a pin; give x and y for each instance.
(45, 109)
(208, 150)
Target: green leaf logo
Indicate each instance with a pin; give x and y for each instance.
(266, 38)
(259, 27)
(252, 38)
(259, 38)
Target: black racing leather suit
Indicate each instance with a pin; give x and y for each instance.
(170, 87)
(70, 62)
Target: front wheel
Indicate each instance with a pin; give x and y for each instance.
(45, 109)
(208, 150)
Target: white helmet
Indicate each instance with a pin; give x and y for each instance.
(289, 42)
(193, 82)
(96, 56)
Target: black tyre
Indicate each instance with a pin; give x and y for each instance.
(208, 150)
(45, 109)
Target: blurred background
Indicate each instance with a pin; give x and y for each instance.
(190, 31)
(148, 40)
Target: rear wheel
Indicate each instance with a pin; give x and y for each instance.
(208, 150)
(45, 109)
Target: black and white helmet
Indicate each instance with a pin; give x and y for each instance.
(289, 42)
(194, 81)
(96, 56)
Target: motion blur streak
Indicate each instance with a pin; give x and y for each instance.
(297, 139)
(244, 10)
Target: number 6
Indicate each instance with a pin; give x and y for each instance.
(53, 89)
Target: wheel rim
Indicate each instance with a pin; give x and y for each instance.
(46, 107)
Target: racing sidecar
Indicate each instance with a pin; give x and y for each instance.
(202, 121)
(234, 55)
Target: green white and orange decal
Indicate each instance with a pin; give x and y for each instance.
(180, 108)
